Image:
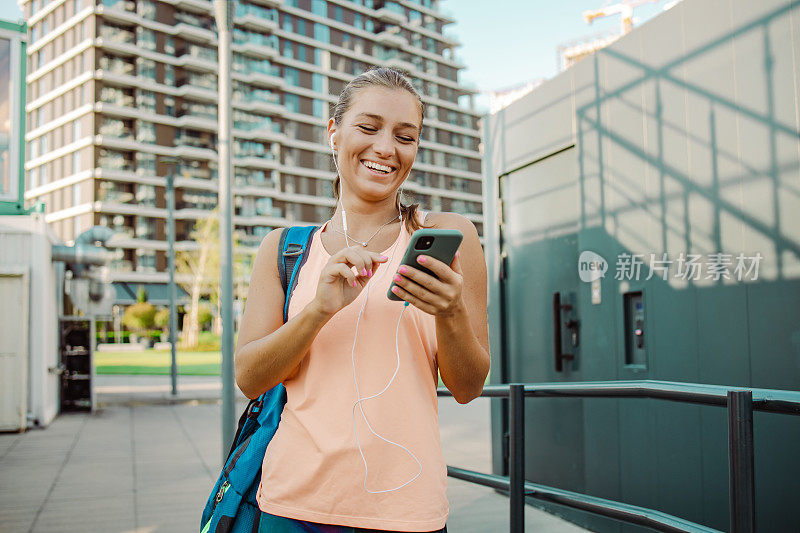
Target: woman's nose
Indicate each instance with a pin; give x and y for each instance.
(383, 144)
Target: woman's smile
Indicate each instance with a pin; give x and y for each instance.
(378, 169)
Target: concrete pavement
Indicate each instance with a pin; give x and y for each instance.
(145, 463)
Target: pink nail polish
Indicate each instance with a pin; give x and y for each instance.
(402, 270)
(354, 283)
(394, 290)
(397, 277)
(365, 271)
(384, 257)
(421, 259)
(369, 273)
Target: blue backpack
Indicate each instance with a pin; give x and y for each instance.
(232, 506)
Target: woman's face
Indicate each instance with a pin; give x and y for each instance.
(380, 130)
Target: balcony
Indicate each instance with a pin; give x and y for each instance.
(120, 11)
(255, 44)
(195, 6)
(114, 35)
(389, 16)
(391, 39)
(255, 17)
(200, 58)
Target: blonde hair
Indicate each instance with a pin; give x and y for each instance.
(391, 79)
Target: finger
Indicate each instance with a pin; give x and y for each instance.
(413, 300)
(345, 272)
(356, 258)
(424, 279)
(440, 269)
(378, 260)
(456, 264)
(418, 291)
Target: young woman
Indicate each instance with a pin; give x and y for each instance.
(357, 447)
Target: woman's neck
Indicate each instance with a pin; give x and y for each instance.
(362, 222)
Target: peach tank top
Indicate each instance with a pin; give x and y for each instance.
(312, 468)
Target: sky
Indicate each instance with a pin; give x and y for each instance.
(513, 42)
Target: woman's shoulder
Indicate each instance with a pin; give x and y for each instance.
(448, 220)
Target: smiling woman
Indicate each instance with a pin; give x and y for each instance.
(357, 447)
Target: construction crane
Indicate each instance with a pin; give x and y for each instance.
(624, 9)
(572, 52)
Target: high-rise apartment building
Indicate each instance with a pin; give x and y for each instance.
(115, 84)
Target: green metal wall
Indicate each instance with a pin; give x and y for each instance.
(684, 136)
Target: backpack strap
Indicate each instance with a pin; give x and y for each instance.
(294, 247)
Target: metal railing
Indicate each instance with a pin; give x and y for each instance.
(740, 403)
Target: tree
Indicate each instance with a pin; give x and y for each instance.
(199, 272)
(199, 268)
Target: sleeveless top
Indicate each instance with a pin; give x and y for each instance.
(312, 469)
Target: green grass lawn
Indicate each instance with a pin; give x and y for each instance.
(157, 363)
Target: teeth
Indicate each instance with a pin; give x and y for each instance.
(377, 166)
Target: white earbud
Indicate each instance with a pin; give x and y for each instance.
(332, 135)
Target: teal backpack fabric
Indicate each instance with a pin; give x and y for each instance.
(232, 506)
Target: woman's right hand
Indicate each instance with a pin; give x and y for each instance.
(338, 285)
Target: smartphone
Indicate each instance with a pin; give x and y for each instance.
(439, 243)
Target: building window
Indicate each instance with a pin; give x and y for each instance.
(76, 162)
(33, 178)
(169, 74)
(145, 38)
(319, 108)
(317, 82)
(147, 9)
(292, 76)
(146, 100)
(76, 130)
(319, 8)
(145, 164)
(169, 106)
(145, 132)
(291, 102)
(145, 259)
(146, 68)
(169, 45)
(287, 49)
(322, 33)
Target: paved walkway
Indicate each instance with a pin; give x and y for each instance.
(146, 463)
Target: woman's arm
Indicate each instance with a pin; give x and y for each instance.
(458, 301)
(269, 351)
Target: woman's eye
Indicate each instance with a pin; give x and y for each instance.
(407, 139)
(367, 128)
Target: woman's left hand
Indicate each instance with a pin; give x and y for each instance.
(438, 297)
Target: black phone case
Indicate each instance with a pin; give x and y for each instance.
(444, 246)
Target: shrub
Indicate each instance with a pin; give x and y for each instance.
(204, 315)
(139, 317)
(161, 319)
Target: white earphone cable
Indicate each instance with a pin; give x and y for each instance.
(352, 357)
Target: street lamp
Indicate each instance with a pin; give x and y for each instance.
(223, 13)
(173, 315)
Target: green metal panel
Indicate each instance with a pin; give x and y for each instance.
(685, 141)
(19, 57)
